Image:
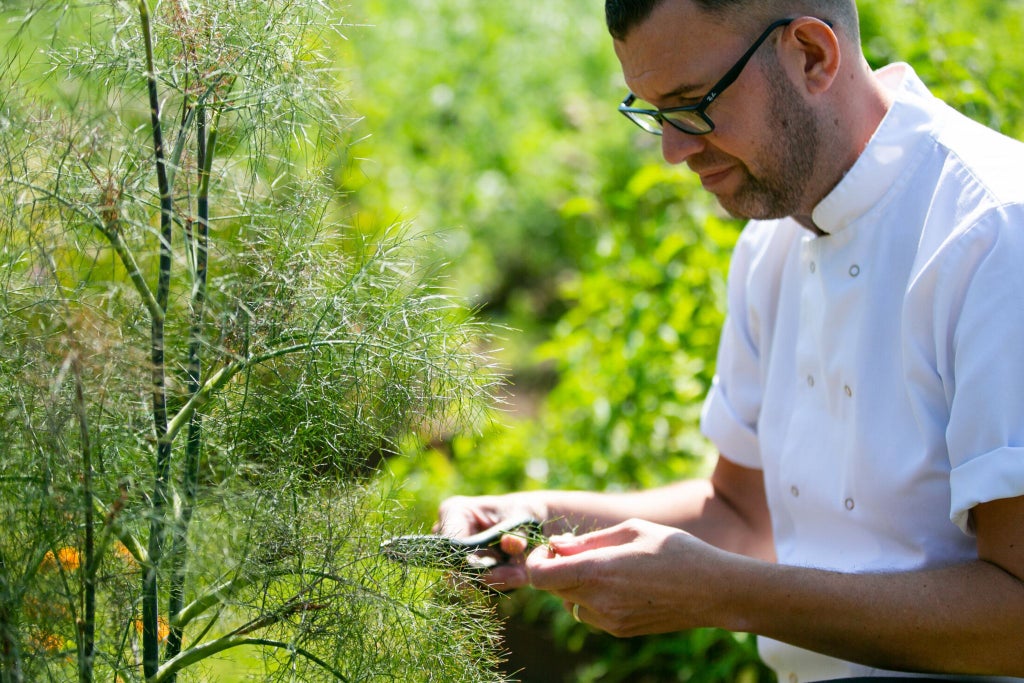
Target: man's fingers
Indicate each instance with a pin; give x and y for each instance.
(568, 544)
(548, 570)
(514, 544)
(506, 577)
(564, 562)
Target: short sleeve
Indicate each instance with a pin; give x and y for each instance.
(985, 434)
(733, 404)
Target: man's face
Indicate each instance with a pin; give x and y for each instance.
(762, 154)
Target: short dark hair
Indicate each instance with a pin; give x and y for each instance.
(623, 16)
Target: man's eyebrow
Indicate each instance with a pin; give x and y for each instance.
(685, 90)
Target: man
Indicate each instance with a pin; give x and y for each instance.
(866, 515)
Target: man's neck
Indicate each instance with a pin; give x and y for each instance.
(808, 222)
(867, 103)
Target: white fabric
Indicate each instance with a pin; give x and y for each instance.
(876, 373)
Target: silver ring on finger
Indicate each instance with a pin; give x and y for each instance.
(576, 612)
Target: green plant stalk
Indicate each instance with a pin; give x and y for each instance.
(187, 120)
(113, 235)
(10, 657)
(201, 652)
(216, 596)
(156, 312)
(158, 524)
(219, 379)
(223, 592)
(206, 143)
(85, 635)
(111, 529)
(87, 629)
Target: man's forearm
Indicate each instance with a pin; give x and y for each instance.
(677, 505)
(693, 505)
(964, 619)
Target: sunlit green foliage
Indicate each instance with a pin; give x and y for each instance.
(490, 123)
(482, 123)
(967, 53)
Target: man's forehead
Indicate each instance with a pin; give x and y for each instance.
(676, 51)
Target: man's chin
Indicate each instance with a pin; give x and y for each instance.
(738, 209)
(753, 208)
(733, 212)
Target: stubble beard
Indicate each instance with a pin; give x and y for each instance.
(788, 157)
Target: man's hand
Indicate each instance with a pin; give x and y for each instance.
(463, 516)
(630, 579)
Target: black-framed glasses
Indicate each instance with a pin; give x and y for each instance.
(693, 118)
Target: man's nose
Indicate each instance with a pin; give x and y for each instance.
(677, 146)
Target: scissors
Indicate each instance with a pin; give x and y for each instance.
(477, 552)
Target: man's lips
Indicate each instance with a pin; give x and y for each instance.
(711, 177)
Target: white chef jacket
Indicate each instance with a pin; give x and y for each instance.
(876, 373)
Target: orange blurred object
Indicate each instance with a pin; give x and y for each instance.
(163, 629)
(67, 557)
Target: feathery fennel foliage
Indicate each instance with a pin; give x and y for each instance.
(198, 358)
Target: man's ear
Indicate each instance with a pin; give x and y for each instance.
(813, 53)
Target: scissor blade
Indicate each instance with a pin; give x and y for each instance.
(444, 552)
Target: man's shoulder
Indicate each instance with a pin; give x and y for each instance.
(978, 155)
